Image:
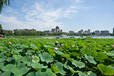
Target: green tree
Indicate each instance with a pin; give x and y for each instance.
(4, 2)
(1, 30)
(17, 33)
(8, 32)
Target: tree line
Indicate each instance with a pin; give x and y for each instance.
(26, 33)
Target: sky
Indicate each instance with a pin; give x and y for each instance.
(69, 15)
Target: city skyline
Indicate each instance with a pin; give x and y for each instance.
(58, 30)
(67, 14)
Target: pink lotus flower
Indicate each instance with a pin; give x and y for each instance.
(112, 45)
(61, 44)
(9, 42)
(57, 42)
(72, 46)
(55, 48)
(31, 57)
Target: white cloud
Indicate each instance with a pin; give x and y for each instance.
(47, 17)
(9, 20)
(78, 1)
(38, 17)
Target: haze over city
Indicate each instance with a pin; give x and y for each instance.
(67, 14)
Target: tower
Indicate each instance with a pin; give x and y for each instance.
(57, 27)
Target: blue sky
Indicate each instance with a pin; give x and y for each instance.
(67, 14)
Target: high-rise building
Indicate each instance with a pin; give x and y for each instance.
(81, 31)
(97, 32)
(55, 30)
(71, 32)
(89, 31)
(105, 32)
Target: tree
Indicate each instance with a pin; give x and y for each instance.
(8, 32)
(4, 2)
(1, 30)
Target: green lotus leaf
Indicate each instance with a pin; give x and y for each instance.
(19, 50)
(35, 59)
(71, 69)
(75, 54)
(47, 46)
(9, 59)
(90, 73)
(3, 59)
(0, 72)
(40, 73)
(101, 56)
(66, 55)
(38, 66)
(50, 73)
(90, 59)
(20, 72)
(27, 60)
(6, 74)
(65, 65)
(1, 48)
(29, 52)
(31, 74)
(82, 74)
(8, 54)
(18, 57)
(33, 46)
(14, 52)
(1, 65)
(8, 68)
(20, 65)
(78, 63)
(51, 51)
(46, 57)
(106, 70)
(111, 54)
(24, 46)
(59, 52)
(60, 67)
(55, 69)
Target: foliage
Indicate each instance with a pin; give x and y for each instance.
(76, 57)
(2, 3)
(1, 30)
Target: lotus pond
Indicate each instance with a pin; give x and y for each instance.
(57, 57)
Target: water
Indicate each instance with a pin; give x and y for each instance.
(104, 37)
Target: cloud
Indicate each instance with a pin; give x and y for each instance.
(38, 16)
(77, 1)
(47, 17)
(9, 20)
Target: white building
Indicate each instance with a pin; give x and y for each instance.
(96, 32)
(56, 30)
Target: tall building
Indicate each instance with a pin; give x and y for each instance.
(89, 31)
(84, 32)
(81, 31)
(71, 32)
(56, 30)
(97, 32)
(105, 32)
